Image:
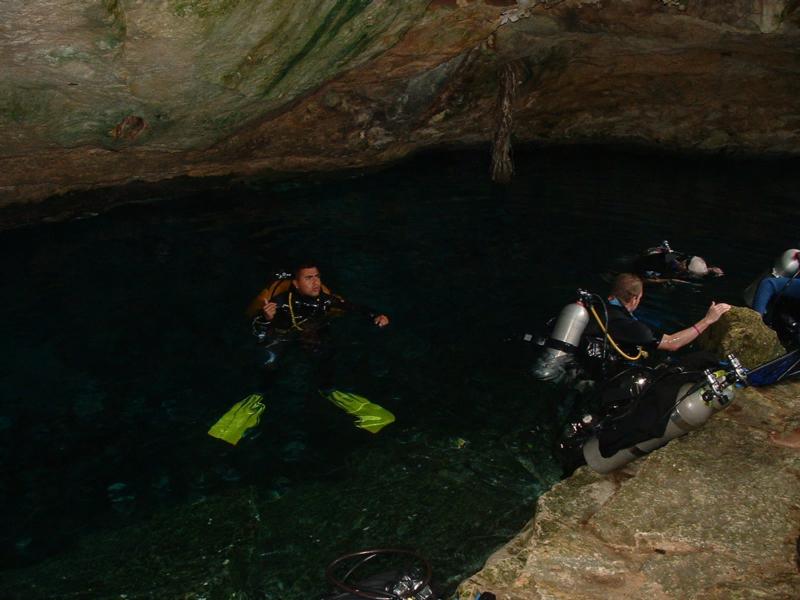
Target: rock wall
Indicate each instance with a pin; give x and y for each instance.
(103, 92)
(712, 515)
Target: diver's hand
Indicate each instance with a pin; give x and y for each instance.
(715, 311)
(269, 310)
(381, 320)
(716, 271)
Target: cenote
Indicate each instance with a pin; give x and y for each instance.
(124, 339)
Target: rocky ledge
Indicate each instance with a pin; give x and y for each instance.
(713, 515)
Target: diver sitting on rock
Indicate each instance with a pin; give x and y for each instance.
(662, 264)
(603, 345)
(777, 298)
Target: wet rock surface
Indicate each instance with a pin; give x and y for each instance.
(714, 514)
(107, 92)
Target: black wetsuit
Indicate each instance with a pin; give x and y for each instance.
(304, 319)
(629, 333)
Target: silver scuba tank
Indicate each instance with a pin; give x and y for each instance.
(689, 414)
(562, 343)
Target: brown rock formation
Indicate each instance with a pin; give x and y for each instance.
(712, 515)
(246, 86)
(742, 332)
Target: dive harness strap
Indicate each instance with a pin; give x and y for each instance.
(560, 345)
(295, 325)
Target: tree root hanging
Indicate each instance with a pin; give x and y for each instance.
(502, 161)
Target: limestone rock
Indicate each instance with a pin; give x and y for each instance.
(711, 515)
(742, 332)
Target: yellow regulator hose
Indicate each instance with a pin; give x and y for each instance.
(642, 353)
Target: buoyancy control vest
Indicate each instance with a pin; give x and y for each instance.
(279, 286)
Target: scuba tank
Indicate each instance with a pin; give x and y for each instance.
(694, 405)
(563, 341)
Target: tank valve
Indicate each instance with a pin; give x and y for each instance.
(739, 372)
(716, 386)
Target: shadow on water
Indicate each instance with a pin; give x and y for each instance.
(123, 341)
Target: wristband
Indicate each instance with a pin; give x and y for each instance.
(697, 330)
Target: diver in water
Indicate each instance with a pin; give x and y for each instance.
(777, 298)
(297, 308)
(662, 264)
(304, 305)
(626, 294)
(604, 345)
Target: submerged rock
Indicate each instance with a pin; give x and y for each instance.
(122, 498)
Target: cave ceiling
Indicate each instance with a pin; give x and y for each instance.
(99, 93)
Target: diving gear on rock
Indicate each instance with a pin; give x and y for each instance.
(242, 416)
(564, 340)
(620, 439)
(642, 408)
(369, 416)
(411, 582)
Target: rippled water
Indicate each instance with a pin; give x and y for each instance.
(123, 340)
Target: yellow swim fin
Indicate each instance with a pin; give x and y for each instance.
(242, 416)
(369, 416)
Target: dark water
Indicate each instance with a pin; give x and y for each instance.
(123, 340)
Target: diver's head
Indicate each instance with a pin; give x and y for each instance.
(787, 264)
(307, 279)
(628, 289)
(697, 267)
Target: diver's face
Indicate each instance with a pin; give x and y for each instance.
(634, 303)
(308, 282)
